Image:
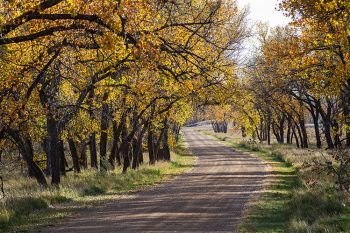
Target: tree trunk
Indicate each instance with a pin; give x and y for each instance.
(289, 130)
(53, 140)
(296, 137)
(93, 151)
(135, 154)
(46, 148)
(104, 134)
(243, 131)
(315, 117)
(125, 149)
(268, 129)
(62, 158)
(92, 138)
(300, 135)
(326, 123)
(35, 170)
(346, 112)
(25, 147)
(166, 149)
(276, 132)
(74, 154)
(262, 135)
(83, 156)
(328, 135)
(281, 129)
(150, 145)
(305, 143)
(159, 156)
(114, 155)
(140, 150)
(337, 141)
(176, 131)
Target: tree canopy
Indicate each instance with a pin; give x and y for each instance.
(99, 76)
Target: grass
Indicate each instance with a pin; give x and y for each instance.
(27, 206)
(296, 199)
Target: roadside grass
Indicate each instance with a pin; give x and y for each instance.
(27, 206)
(295, 199)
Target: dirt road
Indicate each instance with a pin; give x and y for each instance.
(210, 198)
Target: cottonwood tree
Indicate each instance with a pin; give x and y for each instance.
(102, 77)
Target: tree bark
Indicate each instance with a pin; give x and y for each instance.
(268, 129)
(28, 155)
(337, 141)
(125, 149)
(150, 145)
(326, 123)
(62, 158)
(135, 153)
(104, 134)
(114, 154)
(46, 149)
(25, 147)
(53, 140)
(296, 137)
(166, 149)
(305, 143)
(300, 135)
(93, 151)
(276, 132)
(315, 117)
(289, 129)
(176, 131)
(346, 111)
(281, 129)
(83, 156)
(74, 154)
(92, 138)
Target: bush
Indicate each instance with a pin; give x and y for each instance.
(304, 227)
(57, 199)
(4, 217)
(338, 168)
(26, 205)
(94, 190)
(311, 205)
(16, 209)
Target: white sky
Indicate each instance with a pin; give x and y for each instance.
(265, 11)
(260, 11)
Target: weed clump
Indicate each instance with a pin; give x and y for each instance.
(311, 205)
(94, 190)
(15, 209)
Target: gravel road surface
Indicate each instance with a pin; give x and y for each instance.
(209, 198)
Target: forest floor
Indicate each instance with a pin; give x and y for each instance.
(209, 198)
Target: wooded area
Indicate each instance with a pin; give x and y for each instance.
(300, 76)
(98, 79)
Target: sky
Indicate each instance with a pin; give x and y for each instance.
(260, 11)
(265, 11)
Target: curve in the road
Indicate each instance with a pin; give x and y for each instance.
(209, 198)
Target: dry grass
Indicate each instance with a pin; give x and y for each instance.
(298, 199)
(27, 205)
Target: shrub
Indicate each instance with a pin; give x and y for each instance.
(94, 190)
(338, 168)
(16, 209)
(57, 199)
(26, 205)
(311, 205)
